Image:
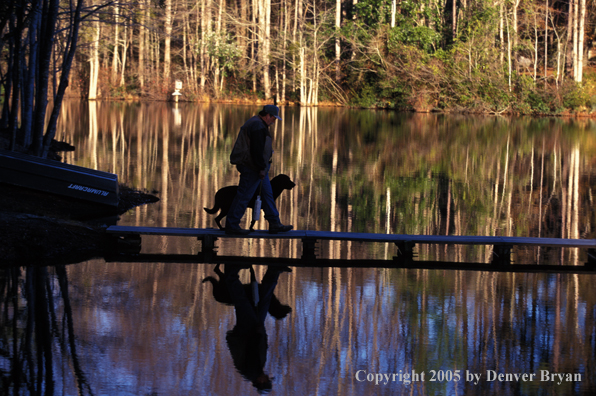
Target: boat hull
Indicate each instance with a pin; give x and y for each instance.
(55, 177)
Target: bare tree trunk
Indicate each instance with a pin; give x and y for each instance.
(255, 39)
(580, 44)
(16, 27)
(454, 20)
(535, 48)
(285, 49)
(167, 56)
(354, 3)
(569, 45)
(337, 41)
(125, 42)
(29, 78)
(185, 45)
(69, 53)
(205, 31)
(217, 84)
(515, 29)
(94, 62)
(501, 32)
(559, 49)
(265, 41)
(241, 33)
(575, 37)
(142, 38)
(302, 75)
(115, 54)
(314, 80)
(509, 66)
(295, 39)
(545, 42)
(46, 36)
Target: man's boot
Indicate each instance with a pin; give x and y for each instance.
(276, 226)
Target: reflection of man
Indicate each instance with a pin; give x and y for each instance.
(248, 339)
(252, 156)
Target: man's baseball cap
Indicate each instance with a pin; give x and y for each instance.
(273, 110)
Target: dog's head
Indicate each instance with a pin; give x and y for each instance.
(284, 181)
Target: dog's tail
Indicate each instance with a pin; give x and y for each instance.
(212, 211)
(210, 279)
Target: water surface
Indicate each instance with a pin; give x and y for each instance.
(155, 328)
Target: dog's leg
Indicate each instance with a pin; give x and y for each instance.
(218, 221)
(218, 272)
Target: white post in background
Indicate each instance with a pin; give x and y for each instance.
(176, 94)
(177, 88)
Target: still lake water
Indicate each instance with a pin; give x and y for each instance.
(108, 328)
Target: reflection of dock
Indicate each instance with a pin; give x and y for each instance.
(129, 239)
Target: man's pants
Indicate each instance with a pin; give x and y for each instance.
(249, 183)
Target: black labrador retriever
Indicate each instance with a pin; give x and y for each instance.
(225, 195)
(222, 295)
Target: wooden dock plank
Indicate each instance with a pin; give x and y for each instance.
(198, 232)
(358, 237)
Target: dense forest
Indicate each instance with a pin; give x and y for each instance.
(484, 56)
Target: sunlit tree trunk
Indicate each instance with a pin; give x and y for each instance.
(580, 44)
(284, 50)
(125, 44)
(253, 48)
(296, 39)
(196, 55)
(509, 66)
(454, 20)
(302, 76)
(115, 58)
(205, 31)
(575, 38)
(569, 41)
(337, 41)
(241, 34)
(185, 45)
(167, 56)
(217, 75)
(515, 26)
(265, 41)
(559, 50)
(94, 62)
(142, 42)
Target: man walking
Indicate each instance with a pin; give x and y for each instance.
(252, 156)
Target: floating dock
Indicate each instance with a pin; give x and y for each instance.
(129, 239)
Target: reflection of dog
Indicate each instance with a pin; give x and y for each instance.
(222, 295)
(225, 196)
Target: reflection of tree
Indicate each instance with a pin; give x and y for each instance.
(36, 343)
